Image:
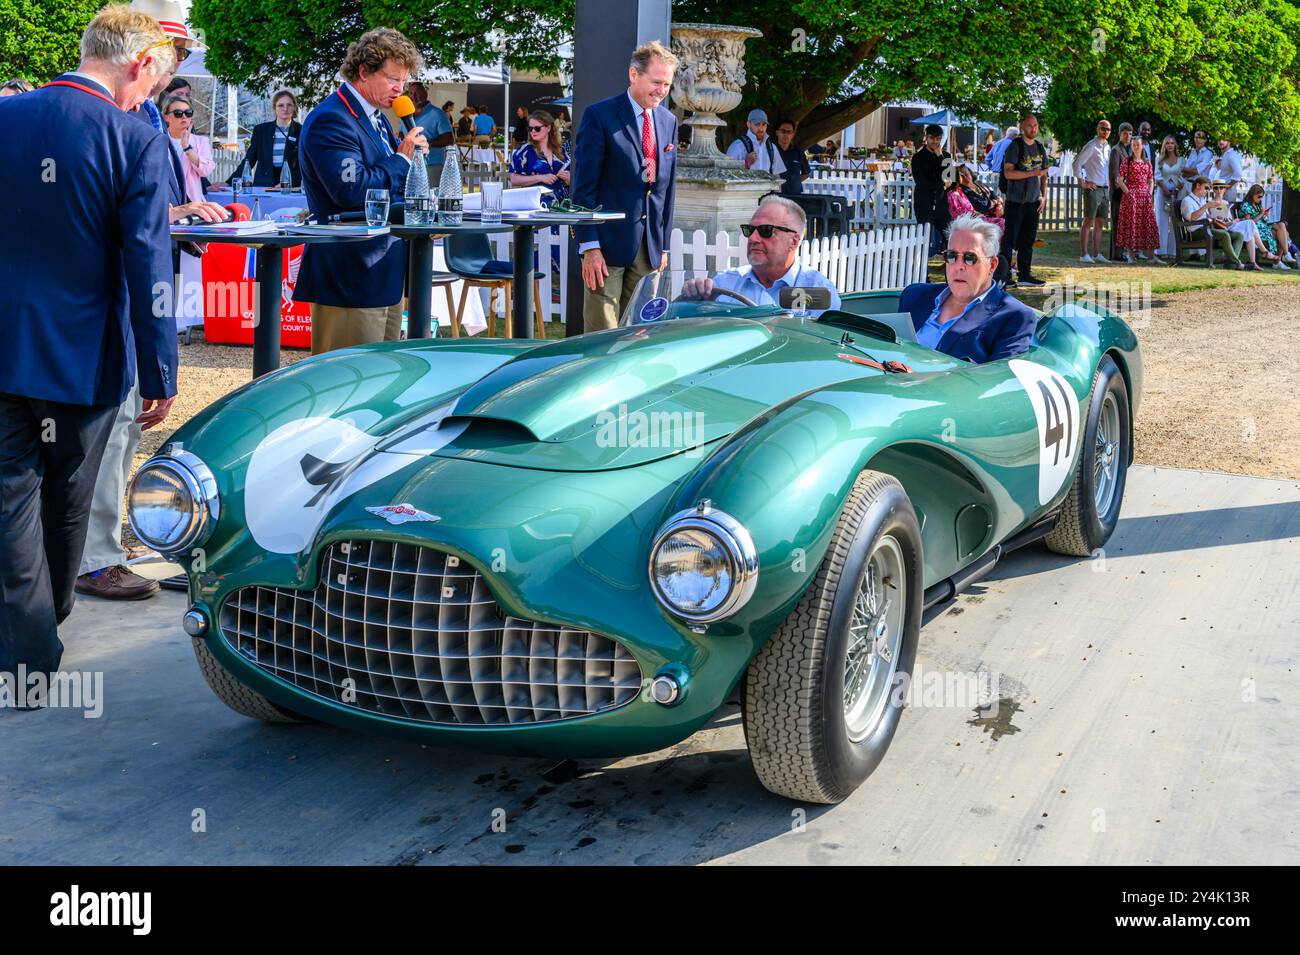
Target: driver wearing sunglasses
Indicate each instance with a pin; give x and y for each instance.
(772, 238)
(970, 316)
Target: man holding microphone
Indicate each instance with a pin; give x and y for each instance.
(347, 148)
(85, 272)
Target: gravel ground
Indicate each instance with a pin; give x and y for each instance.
(1222, 381)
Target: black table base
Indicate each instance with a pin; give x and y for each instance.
(266, 321)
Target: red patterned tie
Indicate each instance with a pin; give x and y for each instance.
(648, 145)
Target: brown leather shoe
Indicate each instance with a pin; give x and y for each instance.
(116, 583)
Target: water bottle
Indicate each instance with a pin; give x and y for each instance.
(451, 190)
(286, 178)
(257, 208)
(418, 209)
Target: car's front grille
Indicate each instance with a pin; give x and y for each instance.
(414, 633)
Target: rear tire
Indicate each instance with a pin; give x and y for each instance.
(234, 694)
(1091, 510)
(820, 704)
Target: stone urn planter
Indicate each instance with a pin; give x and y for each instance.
(714, 193)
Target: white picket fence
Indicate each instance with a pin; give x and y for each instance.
(886, 198)
(860, 261)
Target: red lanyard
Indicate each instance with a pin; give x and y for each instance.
(84, 89)
(347, 104)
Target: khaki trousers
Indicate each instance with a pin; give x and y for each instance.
(103, 547)
(603, 307)
(333, 327)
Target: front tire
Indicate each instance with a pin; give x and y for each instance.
(234, 694)
(820, 699)
(1091, 510)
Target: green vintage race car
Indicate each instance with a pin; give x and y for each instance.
(581, 547)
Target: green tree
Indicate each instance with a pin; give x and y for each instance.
(828, 63)
(40, 39)
(1233, 71)
(302, 42)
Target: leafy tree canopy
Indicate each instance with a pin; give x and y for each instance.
(302, 42)
(40, 39)
(1233, 71)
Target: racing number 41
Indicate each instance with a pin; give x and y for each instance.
(1057, 429)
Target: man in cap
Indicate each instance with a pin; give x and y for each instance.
(84, 253)
(103, 571)
(756, 148)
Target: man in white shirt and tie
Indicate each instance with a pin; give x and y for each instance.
(625, 161)
(756, 148)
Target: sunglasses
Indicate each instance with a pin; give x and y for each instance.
(765, 230)
(536, 129)
(157, 46)
(181, 113)
(970, 258)
(568, 205)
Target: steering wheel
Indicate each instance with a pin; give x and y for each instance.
(713, 296)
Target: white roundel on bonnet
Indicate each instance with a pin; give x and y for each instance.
(1056, 411)
(290, 476)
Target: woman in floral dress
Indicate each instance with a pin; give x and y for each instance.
(543, 160)
(1137, 217)
(1274, 235)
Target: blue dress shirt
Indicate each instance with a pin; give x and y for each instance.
(933, 329)
(744, 281)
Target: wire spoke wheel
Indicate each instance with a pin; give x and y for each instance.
(1105, 466)
(875, 633)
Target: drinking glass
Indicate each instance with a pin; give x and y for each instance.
(491, 209)
(376, 207)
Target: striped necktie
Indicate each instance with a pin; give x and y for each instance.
(381, 127)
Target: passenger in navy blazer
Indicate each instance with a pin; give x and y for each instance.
(625, 161)
(85, 280)
(347, 147)
(970, 316)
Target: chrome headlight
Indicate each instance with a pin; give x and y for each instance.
(703, 565)
(173, 502)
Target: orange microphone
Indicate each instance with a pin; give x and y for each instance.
(404, 107)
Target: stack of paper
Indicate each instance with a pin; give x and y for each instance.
(526, 199)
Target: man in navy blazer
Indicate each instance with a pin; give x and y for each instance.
(971, 316)
(347, 147)
(625, 161)
(85, 276)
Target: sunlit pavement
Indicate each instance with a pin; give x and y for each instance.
(1149, 714)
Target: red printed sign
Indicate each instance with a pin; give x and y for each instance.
(230, 296)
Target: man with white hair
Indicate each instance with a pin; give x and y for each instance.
(999, 149)
(970, 316)
(103, 571)
(86, 266)
(772, 239)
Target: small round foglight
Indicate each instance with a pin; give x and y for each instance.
(703, 565)
(195, 622)
(173, 502)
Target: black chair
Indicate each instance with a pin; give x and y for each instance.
(469, 256)
(838, 219)
(1191, 235)
(819, 212)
